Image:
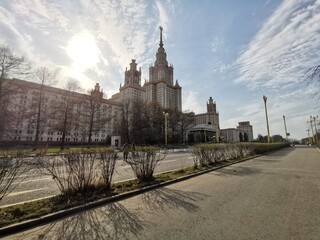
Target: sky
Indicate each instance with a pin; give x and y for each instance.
(233, 51)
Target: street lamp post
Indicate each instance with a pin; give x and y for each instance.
(314, 120)
(285, 126)
(308, 136)
(265, 107)
(313, 138)
(165, 127)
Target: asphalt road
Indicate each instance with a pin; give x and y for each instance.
(271, 197)
(34, 185)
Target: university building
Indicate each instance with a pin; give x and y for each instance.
(90, 117)
(160, 87)
(242, 133)
(77, 117)
(206, 126)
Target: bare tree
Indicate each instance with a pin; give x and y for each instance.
(124, 125)
(155, 121)
(186, 121)
(139, 121)
(45, 77)
(313, 79)
(10, 66)
(12, 165)
(64, 115)
(95, 115)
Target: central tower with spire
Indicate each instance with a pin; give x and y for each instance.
(160, 87)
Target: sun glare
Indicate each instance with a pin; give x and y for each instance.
(83, 51)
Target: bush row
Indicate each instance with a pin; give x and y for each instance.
(208, 154)
(76, 172)
(80, 171)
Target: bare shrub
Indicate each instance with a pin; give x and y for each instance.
(107, 164)
(208, 154)
(234, 151)
(200, 155)
(218, 153)
(73, 172)
(54, 167)
(246, 150)
(143, 161)
(82, 170)
(12, 166)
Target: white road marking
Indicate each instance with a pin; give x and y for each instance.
(22, 192)
(37, 179)
(175, 160)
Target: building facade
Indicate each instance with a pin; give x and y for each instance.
(159, 88)
(206, 128)
(246, 130)
(51, 114)
(66, 115)
(230, 135)
(243, 133)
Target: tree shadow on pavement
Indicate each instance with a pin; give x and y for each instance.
(236, 171)
(166, 199)
(282, 152)
(113, 221)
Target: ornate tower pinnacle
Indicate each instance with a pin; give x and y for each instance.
(161, 43)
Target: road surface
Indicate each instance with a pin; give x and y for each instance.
(271, 197)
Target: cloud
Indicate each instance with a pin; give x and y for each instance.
(217, 45)
(164, 9)
(191, 103)
(284, 48)
(123, 30)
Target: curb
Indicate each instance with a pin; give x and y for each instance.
(25, 225)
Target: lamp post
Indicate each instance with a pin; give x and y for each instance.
(265, 107)
(165, 127)
(285, 126)
(313, 138)
(313, 119)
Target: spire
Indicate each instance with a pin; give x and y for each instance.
(161, 43)
(161, 56)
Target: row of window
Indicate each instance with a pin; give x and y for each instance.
(59, 133)
(49, 139)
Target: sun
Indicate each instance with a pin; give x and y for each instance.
(83, 51)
